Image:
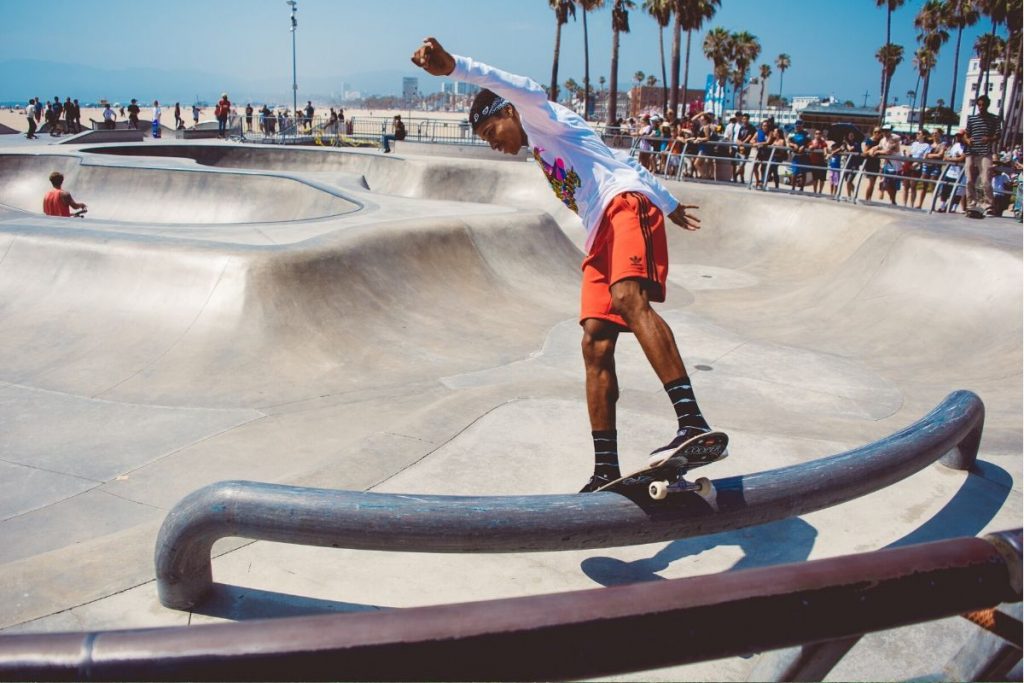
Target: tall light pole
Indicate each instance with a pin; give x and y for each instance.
(295, 85)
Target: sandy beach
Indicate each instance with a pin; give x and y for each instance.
(15, 118)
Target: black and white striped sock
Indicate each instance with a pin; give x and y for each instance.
(606, 454)
(680, 392)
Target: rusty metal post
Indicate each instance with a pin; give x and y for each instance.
(580, 634)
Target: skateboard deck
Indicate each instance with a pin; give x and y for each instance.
(974, 213)
(668, 475)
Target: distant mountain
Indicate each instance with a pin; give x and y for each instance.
(25, 78)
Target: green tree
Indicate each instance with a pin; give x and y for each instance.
(690, 16)
(718, 47)
(765, 74)
(661, 10)
(620, 24)
(562, 8)
(890, 6)
(924, 62)
(889, 56)
(745, 51)
(782, 63)
(958, 15)
(932, 36)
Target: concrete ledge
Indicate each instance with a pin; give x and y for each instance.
(463, 524)
(116, 135)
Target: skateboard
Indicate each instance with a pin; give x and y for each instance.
(80, 213)
(668, 475)
(974, 213)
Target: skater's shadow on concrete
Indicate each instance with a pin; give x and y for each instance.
(238, 603)
(971, 508)
(781, 542)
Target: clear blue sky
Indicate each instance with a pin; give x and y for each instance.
(831, 42)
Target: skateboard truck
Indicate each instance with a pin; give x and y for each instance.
(659, 490)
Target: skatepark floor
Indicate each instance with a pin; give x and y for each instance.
(408, 324)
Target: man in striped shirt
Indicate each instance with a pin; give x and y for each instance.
(982, 134)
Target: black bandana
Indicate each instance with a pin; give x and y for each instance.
(490, 110)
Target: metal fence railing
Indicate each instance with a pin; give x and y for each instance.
(917, 183)
(325, 130)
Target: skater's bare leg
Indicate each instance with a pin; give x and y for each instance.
(632, 302)
(599, 338)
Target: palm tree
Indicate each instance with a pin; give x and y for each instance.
(573, 88)
(782, 63)
(690, 15)
(562, 8)
(766, 72)
(587, 6)
(924, 62)
(639, 77)
(745, 51)
(661, 10)
(1000, 12)
(986, 47)
(891, 6)
(652, 81)
(958, 14)
(620, 24)
(718, 47)
(889, 56)
(932, 36)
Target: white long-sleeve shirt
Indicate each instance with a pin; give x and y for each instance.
(583, 171)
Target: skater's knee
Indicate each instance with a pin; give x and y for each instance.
(629, 299)
(598, 344)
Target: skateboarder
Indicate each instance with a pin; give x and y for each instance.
(58, 201)
(622, 207)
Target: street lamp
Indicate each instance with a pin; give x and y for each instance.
(295, 86)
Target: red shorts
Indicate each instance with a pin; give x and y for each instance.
(630, 244)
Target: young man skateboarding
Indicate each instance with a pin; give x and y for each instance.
(622, 207)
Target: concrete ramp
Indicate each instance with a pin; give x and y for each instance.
(407, 325)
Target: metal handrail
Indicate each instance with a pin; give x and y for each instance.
(572, 635)
(429, 523)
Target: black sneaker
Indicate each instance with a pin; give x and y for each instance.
(681, 437)
(596, 482)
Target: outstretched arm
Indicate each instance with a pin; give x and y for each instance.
(433, 58)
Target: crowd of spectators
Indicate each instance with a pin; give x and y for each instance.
(902, 169)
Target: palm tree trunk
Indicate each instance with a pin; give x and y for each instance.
(613, 80)
(956, 70)
(886, 77)
(677, 31)
(760, 100)
(916, 100)
(686, 72)
(1006, 78)
(553, 88)
(782, 74)
(664, 79)
(924, 99)
(586, 68)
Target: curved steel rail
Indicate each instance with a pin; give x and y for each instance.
(574, 635)
(429, 523)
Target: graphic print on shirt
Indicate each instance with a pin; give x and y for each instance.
(563, 183)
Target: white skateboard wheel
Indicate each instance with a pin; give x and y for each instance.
(704, 487)
(658, 490)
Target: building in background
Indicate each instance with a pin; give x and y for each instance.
(410, 90)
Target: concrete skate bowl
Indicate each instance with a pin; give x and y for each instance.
(425, 337)
(160, 196)
(511, 182)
